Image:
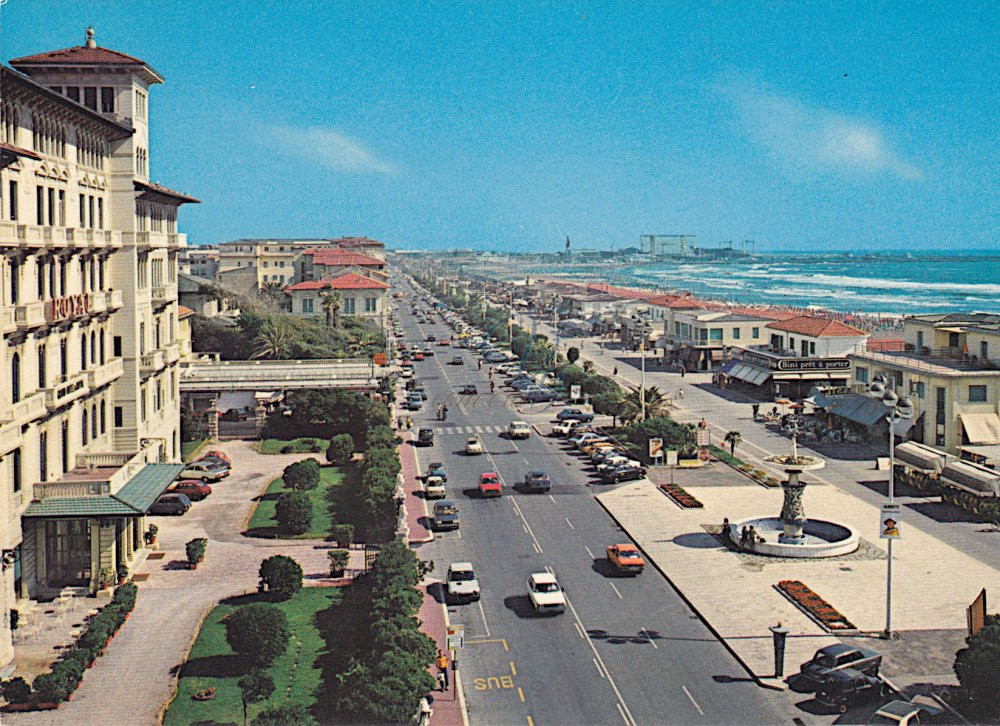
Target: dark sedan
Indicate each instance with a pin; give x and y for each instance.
(574, 414)
(622, 473)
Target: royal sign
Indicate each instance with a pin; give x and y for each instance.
(70, 306)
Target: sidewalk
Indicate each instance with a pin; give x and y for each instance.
(414, 503)
(448, 705)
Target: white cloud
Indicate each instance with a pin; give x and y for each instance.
(813, 136)
(331, 148)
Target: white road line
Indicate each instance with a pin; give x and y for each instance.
(650, 638)
(628, 714)
(483, 613)
(538, 549)
(579, 630)
(589, 552)
(525, 528)
(622, 713)
(692, 700)
(567, 521)
(551, 499)
(616, 590)
(598, 667)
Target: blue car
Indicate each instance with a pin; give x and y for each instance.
(574, 414)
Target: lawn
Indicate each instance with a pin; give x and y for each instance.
(211, 663)
(274, 446)
(188, 447)
(263, 523)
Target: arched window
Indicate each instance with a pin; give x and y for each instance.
(83, 351)
(93, 421)
(41, 366)
(102, 346)
(83, 427)
(15, 378)
(103, 421)
(93, 347)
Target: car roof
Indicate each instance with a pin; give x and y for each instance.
(627, 547)
(837, 649)
(898, 708)
(537, 472)
(542, 577)
(445, 503)
(489, 473)
(518, 423)
(471, 439)
(460, 566)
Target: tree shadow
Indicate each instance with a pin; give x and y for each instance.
(216, 666)
(344, 627)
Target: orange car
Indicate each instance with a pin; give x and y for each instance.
(626, 558)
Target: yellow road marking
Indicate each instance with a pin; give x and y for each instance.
(490, 640)
(521, 694)
(531, 721)
(513, 670)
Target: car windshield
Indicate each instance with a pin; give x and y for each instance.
(628, 554)
(826, 660)
(463, 576)
(546, 587)
(445, 510)
(490, 479)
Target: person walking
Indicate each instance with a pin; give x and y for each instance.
(442, 664)
(480, 364)
(409, 423)
(492, 385)
(615, 372)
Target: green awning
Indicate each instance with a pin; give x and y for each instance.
(133, 499)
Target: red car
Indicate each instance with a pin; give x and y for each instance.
(489, 485)
(218, 455)
(192, 489)
(418, 356)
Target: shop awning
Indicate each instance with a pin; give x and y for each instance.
(989, 453)
(972, 478)
(729, 366)
(859, 409)
(133, 499)
(981, 428)
(921, 457)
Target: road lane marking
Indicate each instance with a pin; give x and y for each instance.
(483, 613)
(598, 667)
(531, 721)
(622, 713)
(616, 590)
(628, 714)
(513, 670)
(551, 499)
(525, 528)
(538, 550)
(692, 700)
(520, 694)
(650, 638)
(569, 523)
(589, 552)
(579, 630)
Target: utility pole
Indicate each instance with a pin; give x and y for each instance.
(642, 379)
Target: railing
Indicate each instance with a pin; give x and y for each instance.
(30, 235)
(105, 374)
(7, 323)
(8, 234)
(67, 390)
(62, 489)
(103, 459)
(113, 299)
(30, 315)
(164, 293)
(27, 409)
(171, 353)
(931, 358)
(152, 361)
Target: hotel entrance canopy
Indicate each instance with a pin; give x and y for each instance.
(132, 500)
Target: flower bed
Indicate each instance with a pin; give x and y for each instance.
(814, 606)
(680, 496)
(50, 689)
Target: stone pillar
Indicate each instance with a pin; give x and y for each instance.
(103, 541)
(129, 535)
(792, 511)
(260, 418)
(213, 421)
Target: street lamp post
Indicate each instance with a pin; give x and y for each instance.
(897, 409)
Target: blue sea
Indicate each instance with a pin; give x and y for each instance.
(903, 284)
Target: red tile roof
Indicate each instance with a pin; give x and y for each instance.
(157, 189)
(184, 312)
(886, 345)
(18, 151)
(324, 256)
(815, 327)
(79, 54)
(348, 281)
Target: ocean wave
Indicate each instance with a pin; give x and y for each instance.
(877, 283)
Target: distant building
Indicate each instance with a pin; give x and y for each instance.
(276, 261)
(360, 297)
(200, 262)
(318, 264)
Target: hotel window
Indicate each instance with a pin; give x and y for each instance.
(13, 201)
(83, 426)
(73, 92)
(370, 305)
(103, 421)
(43, 456)
(41, 366)
(15, 378)
(101, 342)
(100, 213)
(861, 374)
(52, 207)
(90, 211)
(107, 99)
(63, 359)
(83, 211)
(39, 205)
(736, 333)
(715, 334)
(116, 346)
(90, 97)
(977, 394)
(984, 350)
(15, 469)
(83, 351)
(93, 421)
(307, 305)
(62, 208)
(142, 403)
(119, 417)
(93, 347)
(349, 308)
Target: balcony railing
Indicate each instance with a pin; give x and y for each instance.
(7, 323)
(164, 293)
(71, 489)
(956, 359)
(30, 315)
(151, 362)
(105, 374)
(8, 234)
(66, 390)
(27, 409)
(93, 238)
(171, 353)
(175, 239)
(113, 299)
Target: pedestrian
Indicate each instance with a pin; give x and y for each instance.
(755, 407)
(480, 364)
(744, 535)
(409, 423)
(680, 393)
(683, 370)
(725, 527)
(425, 712)
(442, 664)
(615, 372)
(492, 386)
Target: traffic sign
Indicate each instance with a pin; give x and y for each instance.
(456, 636)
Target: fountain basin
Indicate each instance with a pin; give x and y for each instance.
(821, 538)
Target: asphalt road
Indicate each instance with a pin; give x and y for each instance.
(627, 649)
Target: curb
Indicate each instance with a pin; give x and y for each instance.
(760, 681)
(187, 653)
(458, 676)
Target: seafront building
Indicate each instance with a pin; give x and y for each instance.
(89, 407)
(950, 368)
(355, 296)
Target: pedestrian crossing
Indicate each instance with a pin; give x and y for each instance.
(469, 430)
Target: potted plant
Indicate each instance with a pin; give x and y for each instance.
(338, 562)
(343, 534)
(195, 550)
(105, 578)
(122, 573)
(150, 535)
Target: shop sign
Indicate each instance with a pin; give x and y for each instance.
(796, 364)
(70, 306)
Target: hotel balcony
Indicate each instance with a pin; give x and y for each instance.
(93, 238)
(67, 390)
(113, 299)
(171, 353)
(145, 240)
(102, 375)
(7, 324)
(164, 294)
(175, 239)
(8, 234)
(151, 362)
(27, 409)
(30, 315)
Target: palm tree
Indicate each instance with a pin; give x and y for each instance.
(331, 306)
(734, 439)
(656, 403)
(272, 295)
(273, 338)
(364, 341)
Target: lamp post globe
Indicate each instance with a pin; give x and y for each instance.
(890, 399)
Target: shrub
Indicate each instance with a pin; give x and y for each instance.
(284, 714)
(340, 450)
(343, 534)
(302, 475)
(125, 596)
(338, 561)
(258, 631)
(16, 690)
(281, 576)
(49, 688)
(195, 550)
(255, 686)
(293, 510)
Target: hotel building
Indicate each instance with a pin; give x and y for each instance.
(89, 404)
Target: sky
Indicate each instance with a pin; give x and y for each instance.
(512, 125)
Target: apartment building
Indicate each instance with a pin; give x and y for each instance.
(89, 404)
(200, 262)
(950, 369)
(354, 295)
(702, 338)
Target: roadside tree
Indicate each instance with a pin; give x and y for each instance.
(259, 632)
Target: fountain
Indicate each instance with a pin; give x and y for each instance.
(791, 534)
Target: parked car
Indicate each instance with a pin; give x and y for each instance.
(425, 437)
(538, 481)
(462, 583)
(518, 430)
(473, 446)
(489, 485)
(414, 402)
(431, 338)
(204, 470)
(839, 656)
(544, 395)
(575, 414)
(445, 515)
(617, 462)
(545, 594)
(494, 357)
(406, 371)
(444, 341)
(469, 390)
(626, 558)
(436, 468)
(170, 503)
(565, 428)
(216, 460)
(457, 360)
(843, 689)
(903, 713)
(434, 487)
(622, 473)
(216, 454)
(192, 489)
